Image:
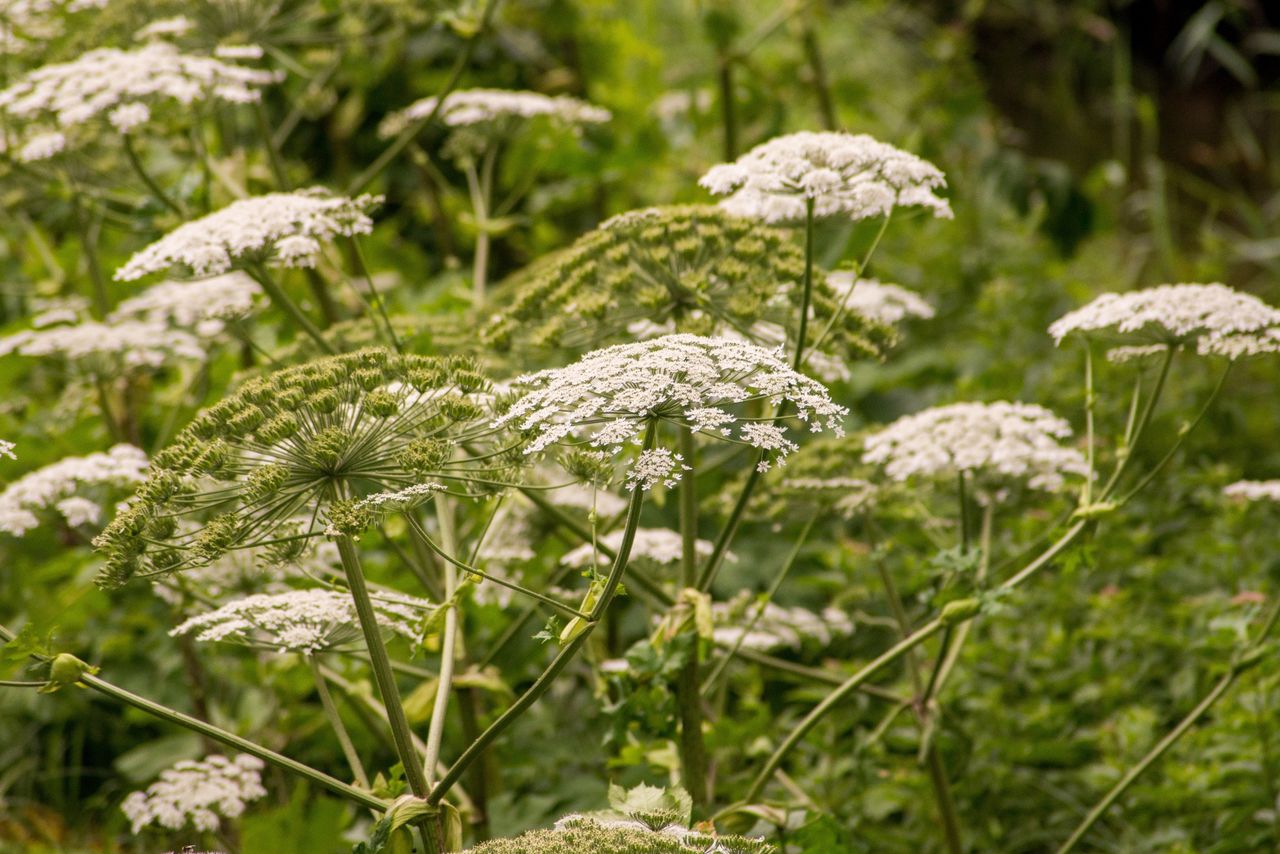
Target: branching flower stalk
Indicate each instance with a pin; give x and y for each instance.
(578, 632)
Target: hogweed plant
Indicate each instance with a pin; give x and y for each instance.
(656, 493)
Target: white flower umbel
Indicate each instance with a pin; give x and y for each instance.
(741, 621)
(655, 545)
(305, 621)
(26, 24)
(997, 441)
(107, 348)
(1217, 319)
(843, 174)
(165, 28)
(606, 397)
(75, 487)
(197, 794)
(469, 107)
(204, 306)
(277, 228)
(6, 449)
(876, 300)
(124, 87)
(1254, 490)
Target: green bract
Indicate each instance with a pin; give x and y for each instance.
(282, 456)
(687, 268)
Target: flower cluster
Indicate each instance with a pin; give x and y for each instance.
(604, 835)
(28, 23)
(841, 174)
(659, 546)
(281, 228)
(686, 268)
(6, 449)
(124, 86)
(107, 349)
(607, 396)
(495, 110)
(306, 441)
(1254, 490)
(874, 300)
(997, 441)
(198, 794)
(740, 621)
(75, 487)
(204, 306)
(1219, 320)
(264, 569)
(304, 621)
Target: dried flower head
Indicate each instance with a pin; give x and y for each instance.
(874, 300)
(842, 174)
(307, 441)
(304, 621)
(606, 398)
(197, 794)
(76, 488)
(107, 349)
(687, 268)
(1217, 319)
(742, 621)
(1254, 490)
(995, 442)
(481, 115)
(286, 229)
(204, 306)
(659, 546)
(124, 87)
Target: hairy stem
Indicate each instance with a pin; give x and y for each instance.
(164, 713)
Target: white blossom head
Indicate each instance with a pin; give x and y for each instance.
(606, 398)
(26, 25)
(6, 449)
(285, 229)
(842, 174)
(107, 349)
(124, 88)
(480, 115)
(1216, 319)
(876, 300)
(165, 28)
(656, 546)
(1253, 490)
(741, 620)
(204, 306)
(998, 443)
(304, 621)
(79, 490)
(197, 794)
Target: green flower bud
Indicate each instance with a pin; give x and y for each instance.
(959, 611)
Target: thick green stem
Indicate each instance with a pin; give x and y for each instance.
(531, 695)
(693, 749)
(383, 675)
(335, 722)
(282, 301)
(200, 727)
(946, 803)
(1215, 694)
